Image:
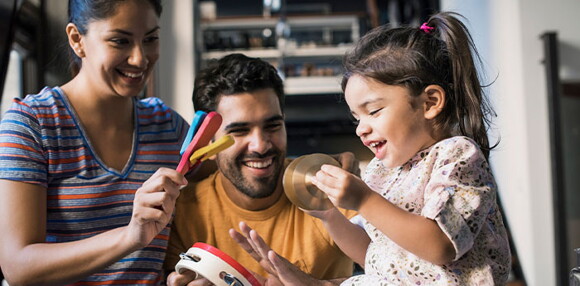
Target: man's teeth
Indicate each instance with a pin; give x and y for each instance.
(258, 164)
(375, 144)
(132, 75)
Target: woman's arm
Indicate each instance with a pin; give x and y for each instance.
(27, 259)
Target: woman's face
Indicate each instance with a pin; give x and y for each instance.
(119, 52)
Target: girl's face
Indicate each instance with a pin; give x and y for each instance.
(119, 52)
(391, 122)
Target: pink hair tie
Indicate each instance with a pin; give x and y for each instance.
(426, 28)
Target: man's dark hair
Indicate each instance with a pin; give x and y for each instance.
(235, 73)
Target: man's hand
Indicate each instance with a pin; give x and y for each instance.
(281, 271)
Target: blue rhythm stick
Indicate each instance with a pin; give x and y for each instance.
(197, 120)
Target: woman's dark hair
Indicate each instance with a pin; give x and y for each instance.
(415, 58)
(234, 73)
(82, 12)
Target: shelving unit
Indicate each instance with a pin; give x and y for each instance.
(309, 54)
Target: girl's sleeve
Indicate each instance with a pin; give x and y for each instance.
(22, 156)
(460, 194)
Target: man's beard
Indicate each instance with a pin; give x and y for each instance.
(255, 188)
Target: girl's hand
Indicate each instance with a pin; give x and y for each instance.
(348, 162)
(344, 189)
(153, 206)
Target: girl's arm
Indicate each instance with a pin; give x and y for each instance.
(27, 259)
(416, 234)
(350, 238)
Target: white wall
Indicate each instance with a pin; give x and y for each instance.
(175, 70)
(522, 161)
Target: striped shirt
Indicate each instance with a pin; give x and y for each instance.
(42, 142)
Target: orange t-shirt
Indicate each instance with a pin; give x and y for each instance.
(204, 213)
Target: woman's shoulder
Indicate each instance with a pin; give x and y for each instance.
(154, 108)
(46, 97)
(152, 103)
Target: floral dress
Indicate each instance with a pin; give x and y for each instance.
(450, 183)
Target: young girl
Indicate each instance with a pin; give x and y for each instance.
(428, 197)
(74, 159)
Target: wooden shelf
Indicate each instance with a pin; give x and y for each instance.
(312, 85)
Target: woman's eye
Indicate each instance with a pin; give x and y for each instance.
(151, 39)
(119, 41)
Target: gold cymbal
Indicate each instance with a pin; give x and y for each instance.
(298, 184)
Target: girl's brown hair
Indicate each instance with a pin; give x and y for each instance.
(415, 58)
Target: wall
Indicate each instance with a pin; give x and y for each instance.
(522, 161)
(175, 69)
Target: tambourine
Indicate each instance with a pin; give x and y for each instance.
(215, 265)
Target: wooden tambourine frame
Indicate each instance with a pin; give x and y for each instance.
(213, 264)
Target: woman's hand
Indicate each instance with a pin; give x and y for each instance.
(153, 206)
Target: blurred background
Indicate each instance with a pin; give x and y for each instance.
(531, 53)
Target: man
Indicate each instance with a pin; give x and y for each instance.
(247, 187)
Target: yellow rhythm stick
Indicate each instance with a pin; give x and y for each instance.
(204, 153)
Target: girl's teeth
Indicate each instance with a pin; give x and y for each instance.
(375, 144)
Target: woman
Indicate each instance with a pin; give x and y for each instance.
(86, 177)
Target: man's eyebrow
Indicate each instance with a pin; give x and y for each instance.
(242, 124)
(120, 31)
(275, 118)
(236, 125)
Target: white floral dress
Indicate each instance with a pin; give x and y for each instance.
(451, 183)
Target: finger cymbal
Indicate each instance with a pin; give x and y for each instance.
(298, 181)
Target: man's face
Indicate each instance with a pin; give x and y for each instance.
(255, 162)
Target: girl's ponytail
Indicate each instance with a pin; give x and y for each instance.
(469, 107)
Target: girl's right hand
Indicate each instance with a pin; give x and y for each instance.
(153, 206)
(344, 189)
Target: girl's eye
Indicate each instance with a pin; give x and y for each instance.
(375, 111)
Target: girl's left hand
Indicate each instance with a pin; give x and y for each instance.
(344, 189)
